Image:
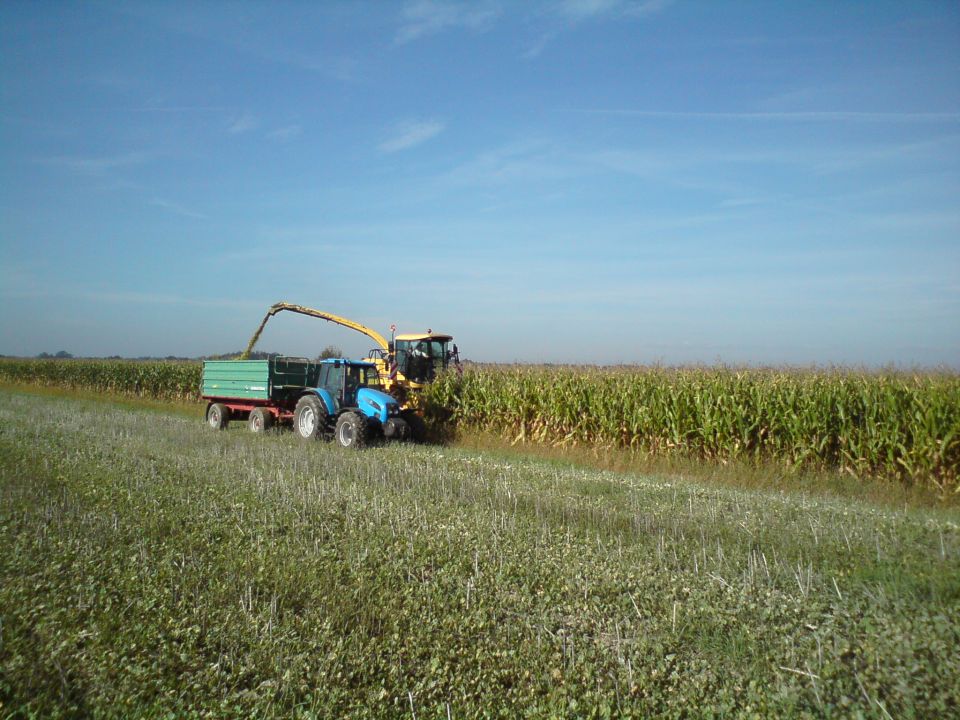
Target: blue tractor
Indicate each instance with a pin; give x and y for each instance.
(348, 404)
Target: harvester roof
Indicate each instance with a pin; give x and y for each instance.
(439, 337)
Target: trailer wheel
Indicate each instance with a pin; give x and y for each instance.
(218, 416)
(260, 420)
(309, 418)
(351, 430)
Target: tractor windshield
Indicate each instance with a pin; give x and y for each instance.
(343, 381)
(421, 360)
(366, 376)
(356, 377)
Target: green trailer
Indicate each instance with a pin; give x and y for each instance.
(270, 381)
(263, 392)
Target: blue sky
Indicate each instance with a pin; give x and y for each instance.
(586, 181)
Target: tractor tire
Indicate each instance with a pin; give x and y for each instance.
(352, 431)
(310, 417)
(260, 420)
(418, 428)
(218, 416)
(396, 429)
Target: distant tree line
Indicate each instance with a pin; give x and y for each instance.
(330, 351)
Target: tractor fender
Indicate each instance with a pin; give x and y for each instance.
(329, 402)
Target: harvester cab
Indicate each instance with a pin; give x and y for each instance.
(421, 357)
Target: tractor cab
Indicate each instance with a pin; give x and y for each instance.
(343, 378)
(421, 357)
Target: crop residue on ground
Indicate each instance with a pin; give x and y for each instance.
(152, 566)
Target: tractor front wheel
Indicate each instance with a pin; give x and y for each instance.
(351, 430)
(418, 428)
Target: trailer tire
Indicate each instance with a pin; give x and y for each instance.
(218, 416)
(260, 420)
(309, 417)
(352, 430)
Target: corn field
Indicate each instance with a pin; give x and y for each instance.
(892, 424)
(160, 380)
(900, 425)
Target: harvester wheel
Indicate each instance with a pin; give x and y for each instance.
(260, 420)
(418, 428)
(310, 417)
(218, 416)
(351, 430)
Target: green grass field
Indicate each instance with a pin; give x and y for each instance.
(154, 568)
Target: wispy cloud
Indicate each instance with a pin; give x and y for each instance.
(304, 251)
(243, 32)
(567, 14)
(248, 122)
(176, 209)
(583, 9)
(410, 134)
(530, 161)
(154, 108)
(161, 299)
(285, 133)
(647, 7)
(245, 123)
(423, 18)
(578, 10)
(23, 282)
(799, 116)
(97, 165)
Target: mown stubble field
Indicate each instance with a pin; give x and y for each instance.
(152, 567)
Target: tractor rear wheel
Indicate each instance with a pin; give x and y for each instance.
(260, 420)
(310, 417)
(218, 416)
(351, 430)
